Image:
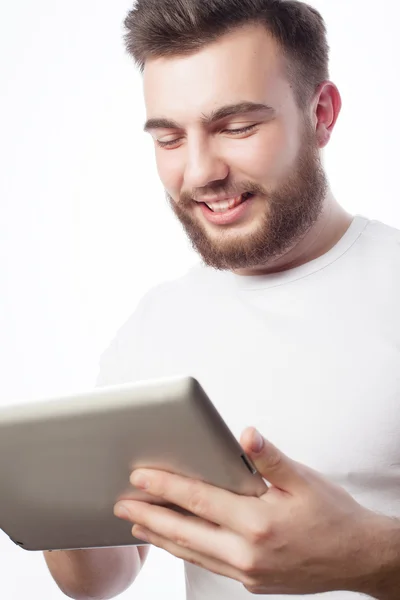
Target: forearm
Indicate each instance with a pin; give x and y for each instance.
(96, 574)
(383, 551)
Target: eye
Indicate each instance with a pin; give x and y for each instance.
(241, 130)
(168, 143)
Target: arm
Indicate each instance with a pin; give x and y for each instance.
(96, 574)
(383, 579)
(103, 573)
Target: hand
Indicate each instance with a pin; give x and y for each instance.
(303, 536)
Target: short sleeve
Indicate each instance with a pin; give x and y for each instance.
(109, 366)
(123, 360)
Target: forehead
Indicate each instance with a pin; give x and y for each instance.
(244, 65)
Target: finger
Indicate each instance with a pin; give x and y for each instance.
(190, 556)
(205, 501)
(274, 466)
(189, 532)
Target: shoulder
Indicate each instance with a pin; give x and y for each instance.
(197, 285)
(376, 250)
(380, 236)
(377, 269)
(163, 312)
(168, 301)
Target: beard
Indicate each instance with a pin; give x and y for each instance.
(289, 212)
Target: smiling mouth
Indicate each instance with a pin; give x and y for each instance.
(224, 206)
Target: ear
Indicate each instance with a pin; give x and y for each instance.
(326, 108)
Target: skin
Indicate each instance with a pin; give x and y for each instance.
(96, 574)
(303, 536)
(203, 157)
(260, 542)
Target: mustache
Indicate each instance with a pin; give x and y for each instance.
(187, 198)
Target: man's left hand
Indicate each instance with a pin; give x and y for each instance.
(305, 535)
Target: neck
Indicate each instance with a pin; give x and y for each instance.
(324, 234)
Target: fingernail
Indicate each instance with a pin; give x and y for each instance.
(257, 443)
(140, 481)
(120, 510)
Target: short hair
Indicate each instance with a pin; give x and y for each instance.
(163, 28)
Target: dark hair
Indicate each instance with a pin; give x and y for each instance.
(156, 28)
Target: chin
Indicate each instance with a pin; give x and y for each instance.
(241, 230)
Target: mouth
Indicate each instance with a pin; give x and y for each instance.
(227, 212)
(224, 206)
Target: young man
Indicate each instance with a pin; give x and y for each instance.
(292, 325)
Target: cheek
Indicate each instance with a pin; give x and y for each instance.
(267, 155)
(169, 169)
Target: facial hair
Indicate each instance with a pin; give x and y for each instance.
(289, 212)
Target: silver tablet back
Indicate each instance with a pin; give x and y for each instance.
(64, 463)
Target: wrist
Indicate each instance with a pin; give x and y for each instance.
(379, 558)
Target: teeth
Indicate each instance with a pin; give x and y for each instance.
(224, 205)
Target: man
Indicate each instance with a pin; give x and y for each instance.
(292, 325)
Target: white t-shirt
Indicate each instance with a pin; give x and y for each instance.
(310, 356)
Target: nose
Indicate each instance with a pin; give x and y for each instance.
(204, 166)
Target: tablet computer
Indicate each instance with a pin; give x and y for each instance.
(65, 462)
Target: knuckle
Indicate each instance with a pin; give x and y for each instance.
(246, 563)
(159, 486)
(181, 541)
(194, 561)
(197, 503)
(258, 532)
(273, 459)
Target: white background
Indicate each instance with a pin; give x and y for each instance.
(84, 227)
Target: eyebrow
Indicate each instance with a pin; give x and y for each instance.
(217, 115)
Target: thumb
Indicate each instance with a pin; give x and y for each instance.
(274, 466)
